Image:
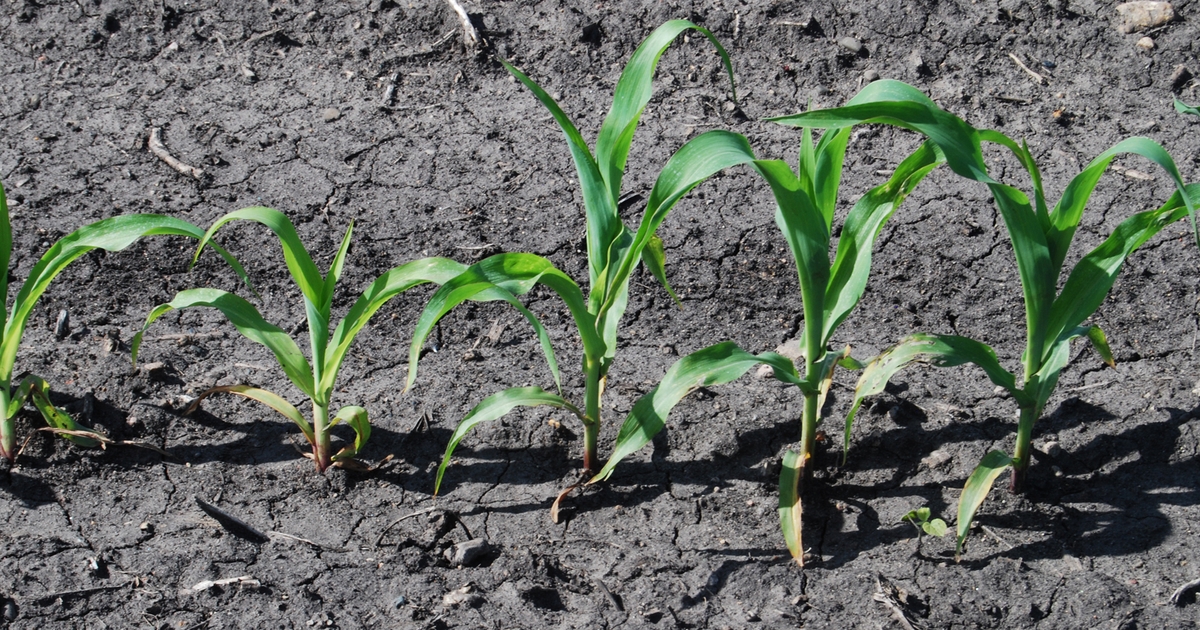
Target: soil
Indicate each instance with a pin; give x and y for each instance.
(291, 105)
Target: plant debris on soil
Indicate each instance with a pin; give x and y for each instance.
(379, 112)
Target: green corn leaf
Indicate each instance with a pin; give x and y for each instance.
(976, 490)
(39, 394)
(827, 171)
(1184, 108)
(896, 103)
(303, 271)
(1046, 379)
(631, 95)
(694, 162)
(655, 257)
(335, 270)
(790, 510)
(5, 258)
(356, 417)
(387, 286)
(18, 398)
(249, 322)
(824, 373)
(1099, 342)
(1093, 276)
(112, 235)
(852, 263)
(268, 398)
(603, 224)
(501, 277)
(714, 365)
(941, 351)
(496, 406)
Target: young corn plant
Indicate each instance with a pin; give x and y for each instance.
(1041, 237)
(613, 249)
(315, 378)
(114, 234)
(829, 291)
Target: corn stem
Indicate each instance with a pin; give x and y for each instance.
(1020, 464)
(591, 420)
(8, 433)
(321, 445)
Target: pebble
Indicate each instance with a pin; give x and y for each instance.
(851, 44)
(461, 596)
(62, 327)
(870, 76)
(330, 114)
(399, 602)
(467, 553)
(936, 458)
(1145, 43)
(1180, 76)
(1139, 16)
(917, 64)
(1050, 448)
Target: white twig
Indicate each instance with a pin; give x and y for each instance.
(1039, 79)
(157, 148)
(469, 31)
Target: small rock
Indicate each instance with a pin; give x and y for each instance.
(1050, 448)
(463, 596)
(330, 114)
(399, 601)
(730, 106)
(870, 76)
(850, 44)
(1139, 16)
(250, 75)
(10, 610)
(153, 369)
(147, 527)
(936, 458)
(62, 326)
(468, 553)
(1145, 43)
(1180, 76)
(917, 64)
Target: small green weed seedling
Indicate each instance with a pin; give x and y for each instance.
(829, 291)
(1184, 108)
(920, 518)
(114, 234)
(1041, 237)
(316, 379)
(613, 249)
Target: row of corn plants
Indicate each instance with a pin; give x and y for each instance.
(833, 274)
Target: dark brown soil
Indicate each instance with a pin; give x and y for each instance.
(463, 162)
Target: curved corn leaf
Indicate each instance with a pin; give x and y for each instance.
(356, 417)
(807, 235)
(1093, 276)
(496, 406)
(975, 491)
(603, 223)
(714, 365)
(941, 351)
(39, 393)
(631, 95)
(655, 257)
(694, 162)
(299, 263)
(501, 277)
(114, 234)
(1184, 108)
(1046, 379)
(826, 170)
(249, 322)
(896, 103)
(335, 269)
(268, 398)
(824, 374)
(790, 511)
(387, 286)
(852, 263)
(5, 258)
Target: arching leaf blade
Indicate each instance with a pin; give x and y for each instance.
(357, 418)
(268, 398)
(300, 265)
(496, 406)
(978, 485)
(249, 322)
(790, 510)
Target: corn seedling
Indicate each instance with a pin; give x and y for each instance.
(316, 379)
(805, 204)
(1184, 108)
(614, 250)
(1041, 237)
(114, 234)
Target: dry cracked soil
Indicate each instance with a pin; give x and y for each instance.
(376, 112)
